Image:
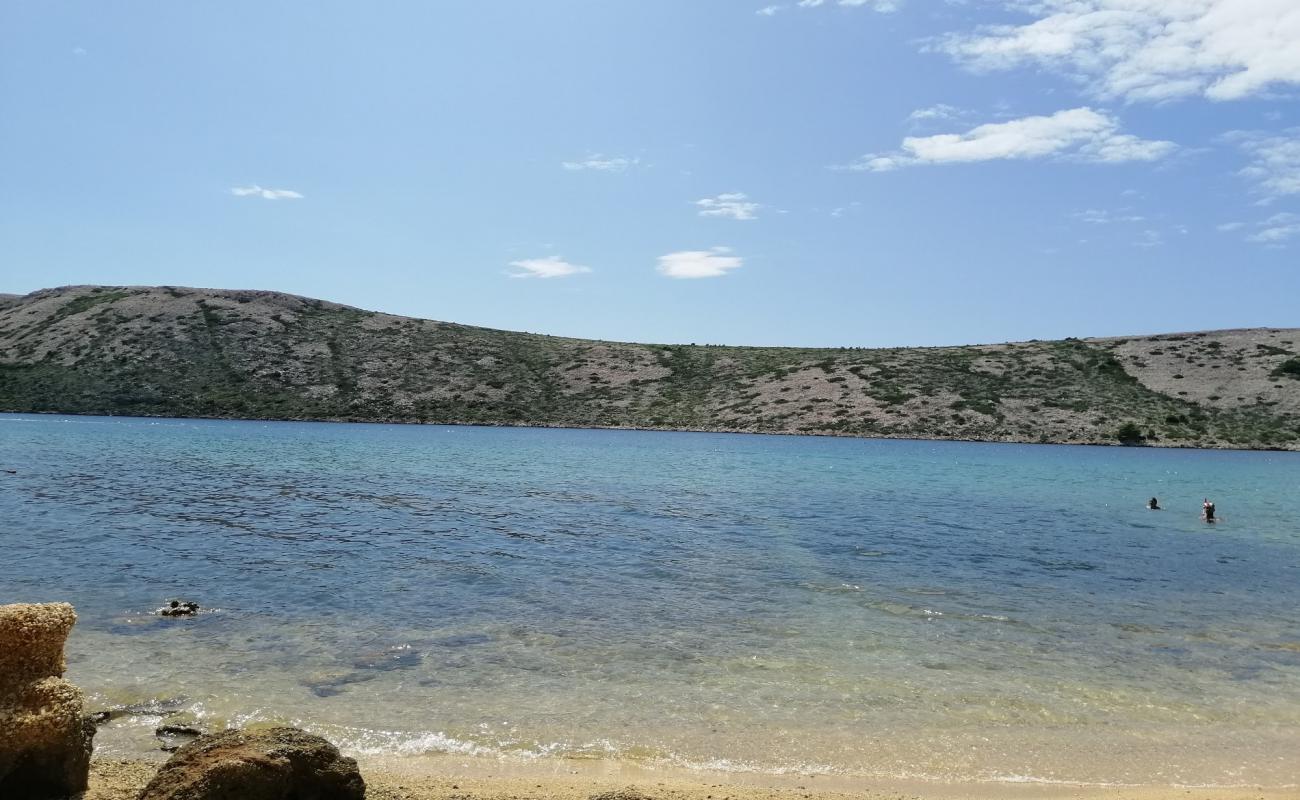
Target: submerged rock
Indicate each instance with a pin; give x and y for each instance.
(269, 764)
(45, 742)
(165, 707)
(398, 657)
(365, 667)
(463, 640)
(173, 736)
(329, 684)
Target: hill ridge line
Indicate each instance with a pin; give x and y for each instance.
(277, 292)
(263, 354)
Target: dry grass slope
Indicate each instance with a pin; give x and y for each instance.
(173, 351)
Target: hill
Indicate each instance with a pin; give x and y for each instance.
(171, 351)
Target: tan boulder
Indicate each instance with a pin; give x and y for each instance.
(32, 636)
(45, 743)
(269, 764)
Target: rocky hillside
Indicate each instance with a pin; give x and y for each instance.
(173, 351)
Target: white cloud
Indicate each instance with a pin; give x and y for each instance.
(1146, 50)
(265, 194)
(712, 263)
(1150, 238)
(1275, 161)
(1116, 148)
(1100, 216)
(768, 11)
(1276, 229)
(1079, 133)
(941, 111)
(602, 163)
(735, 205)
(550, 267)
(883, 6)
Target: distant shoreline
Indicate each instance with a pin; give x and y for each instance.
(735, 431)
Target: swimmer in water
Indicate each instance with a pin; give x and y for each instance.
(1207, 510)
(1153, 504)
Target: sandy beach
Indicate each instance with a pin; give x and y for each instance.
(460, 779)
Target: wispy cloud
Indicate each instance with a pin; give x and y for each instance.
(1079, 133)
(601, 163)
(712, 263)
(883, 6)
(768, 11)
(1276, 230)
(1150, 238)
(550, 267)
(733, 205)
(940, 112)
(265, 194)
(1146, 50)
(1275, 161)
(1101, 216)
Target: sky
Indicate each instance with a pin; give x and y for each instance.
(808, 172)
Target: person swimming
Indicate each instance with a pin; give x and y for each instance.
(1207, 510)
(1153, 504)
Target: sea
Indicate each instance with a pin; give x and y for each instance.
(767, 605)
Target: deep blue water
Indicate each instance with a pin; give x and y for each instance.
(865, 606)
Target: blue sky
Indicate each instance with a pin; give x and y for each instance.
(863, 173)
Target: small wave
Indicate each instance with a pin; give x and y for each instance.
(372, 743)
(1035, 779)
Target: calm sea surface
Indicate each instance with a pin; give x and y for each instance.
(879, 608)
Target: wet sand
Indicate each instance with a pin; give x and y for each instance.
(460, 779)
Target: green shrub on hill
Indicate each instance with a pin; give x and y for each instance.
(1290, 368)
(1130, 434)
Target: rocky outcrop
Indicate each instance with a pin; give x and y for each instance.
(44, 741)
(179, 608)
(270, 764)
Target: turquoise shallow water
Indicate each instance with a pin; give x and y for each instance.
(885, 608)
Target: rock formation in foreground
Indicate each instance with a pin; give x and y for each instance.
(45, 743)
(269, 764)
(177, 352)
